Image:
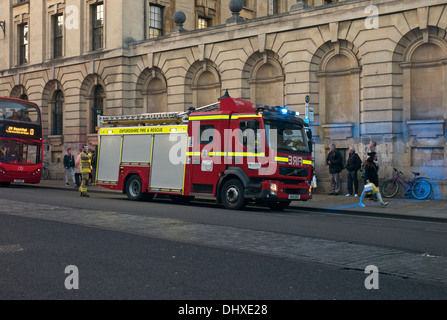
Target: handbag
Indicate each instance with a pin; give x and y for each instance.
(314, 181)
(370, 188)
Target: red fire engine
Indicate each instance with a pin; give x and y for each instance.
(233, 151)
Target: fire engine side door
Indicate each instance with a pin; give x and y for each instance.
(205, 154)
(245, 143)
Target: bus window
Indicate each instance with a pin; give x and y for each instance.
(19, 112)
(14, 152)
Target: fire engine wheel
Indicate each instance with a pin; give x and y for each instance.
(232, 195)
(134, 189)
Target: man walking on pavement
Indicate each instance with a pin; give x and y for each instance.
(69, 164)
(85, 170)
(335, 162)
(353, 165)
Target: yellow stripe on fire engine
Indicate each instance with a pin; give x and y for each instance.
(229, 154)
(215, 117)
(218, 153)
(245, 154)
(309, 162)
(237, 116)
(143, 130)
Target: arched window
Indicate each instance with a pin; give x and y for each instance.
(207, 88)
(336, 73)
(19, 92)
(203, 85)
(339, 95)
(98, 106)
(339, 85)
(152, 94)
(427, 82)
(58, 113)
(156, 95)
(265, 79)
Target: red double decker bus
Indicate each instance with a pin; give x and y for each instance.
(21, 142)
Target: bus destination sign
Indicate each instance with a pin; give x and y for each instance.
(20, 130)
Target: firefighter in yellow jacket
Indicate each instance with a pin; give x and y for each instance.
(86, 166)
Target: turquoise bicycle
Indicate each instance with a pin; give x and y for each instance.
(420, 188)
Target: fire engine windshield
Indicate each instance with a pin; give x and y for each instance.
(291, 137)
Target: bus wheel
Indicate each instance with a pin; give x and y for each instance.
(4, 184)
(232, 195)
(134, 188)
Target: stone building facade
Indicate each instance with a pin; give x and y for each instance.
(374, 70)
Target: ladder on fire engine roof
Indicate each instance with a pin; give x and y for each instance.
(154, 118)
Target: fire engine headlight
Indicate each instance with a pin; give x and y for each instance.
(273, 187)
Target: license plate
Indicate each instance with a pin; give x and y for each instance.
(19, 181)
(294, 196)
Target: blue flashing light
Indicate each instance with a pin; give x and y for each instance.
(284, 110)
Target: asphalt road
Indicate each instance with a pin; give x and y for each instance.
(165, 251)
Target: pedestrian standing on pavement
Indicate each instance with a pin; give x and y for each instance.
(77, 169)
(85, 170)
(371, 169)
(372, 147)
(353, 165)
(69, 164)
(335, 162)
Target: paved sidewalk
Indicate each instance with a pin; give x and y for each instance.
(435, 210)
(432, 210)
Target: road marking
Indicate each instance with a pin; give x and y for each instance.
(436, 230)
(9, 248)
